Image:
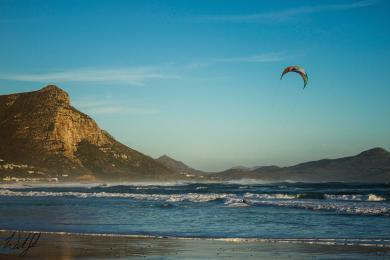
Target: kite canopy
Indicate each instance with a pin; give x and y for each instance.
(298, 70)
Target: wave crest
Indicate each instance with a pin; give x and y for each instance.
(192, 197)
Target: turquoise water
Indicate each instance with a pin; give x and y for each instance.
(272, 211)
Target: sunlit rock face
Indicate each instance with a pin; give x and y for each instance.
(43, 130)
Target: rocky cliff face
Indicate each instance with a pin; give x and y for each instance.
(42, 130)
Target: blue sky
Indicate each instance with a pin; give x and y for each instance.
(199, 80)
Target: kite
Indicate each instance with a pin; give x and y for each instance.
(298, 70)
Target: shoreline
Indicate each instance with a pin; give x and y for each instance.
(320, 241)
(64, 245)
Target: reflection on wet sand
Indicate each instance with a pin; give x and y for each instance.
(81, 246)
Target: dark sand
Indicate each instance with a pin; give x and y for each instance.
(83, 246)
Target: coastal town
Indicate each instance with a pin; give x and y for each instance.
(30, 170)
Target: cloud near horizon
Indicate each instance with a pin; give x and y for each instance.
(136, 76)
(285, 15)
(130, 76)
(108, 106)
(260, 58)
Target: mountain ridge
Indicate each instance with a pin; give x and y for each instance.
(372, 165)
(42, 130)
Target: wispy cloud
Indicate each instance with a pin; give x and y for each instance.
(139, 76)
(109, 106)
(284, 15)
(114, 109)
(257, 58)
(130, 76)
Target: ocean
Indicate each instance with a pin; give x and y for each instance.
(317, 213)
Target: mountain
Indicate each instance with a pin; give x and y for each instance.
(369, 166)
(43, 136)
(240, 172)
(180, 167)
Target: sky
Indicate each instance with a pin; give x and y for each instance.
(200, 80)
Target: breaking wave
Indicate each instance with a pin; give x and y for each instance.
(358, 204)
(192, 197)
(321, 196)
(355, 197)
(195, 197)
(339, 207)
(272, 196)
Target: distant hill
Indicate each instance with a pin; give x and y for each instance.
(180, 167)
(369, 166)
(42, 136)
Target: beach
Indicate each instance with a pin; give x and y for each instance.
(196, 221)
(92, 246)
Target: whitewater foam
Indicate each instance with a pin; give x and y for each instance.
(317, 241)
(373, 197)
(271, 196)
(339, 207)
(192, 197)
(355, 197)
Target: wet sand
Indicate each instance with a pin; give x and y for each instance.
(84, 246)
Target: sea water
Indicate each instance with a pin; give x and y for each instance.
(326, 212)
